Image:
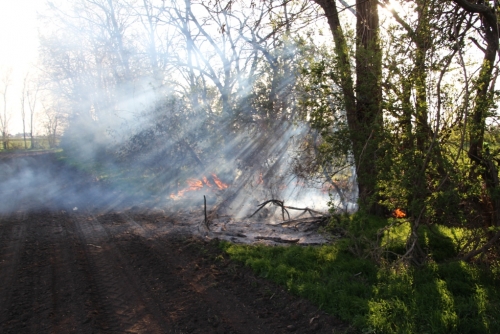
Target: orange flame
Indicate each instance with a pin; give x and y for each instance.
(205, 180)
(398, 213)
(219, 183)
(194, 184)
(260, 180)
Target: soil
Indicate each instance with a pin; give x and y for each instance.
(127, 271)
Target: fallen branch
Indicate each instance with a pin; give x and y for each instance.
(275, 202)
(277, 239)
(286, 208)
(311, 211)
(307, 220)
(486, 246)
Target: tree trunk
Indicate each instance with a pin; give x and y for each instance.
(369, 129)
(478, 154)
(363, 108)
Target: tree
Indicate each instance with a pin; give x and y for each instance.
(156, 39)
(363, 100)
(91, 62)
(484, 86)
(53, 118)
(24, 93)
(416, 107)
(32, 96)
(5, 116)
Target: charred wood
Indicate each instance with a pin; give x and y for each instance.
(286, 208)
(277, 239)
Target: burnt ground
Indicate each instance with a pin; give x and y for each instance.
(65, 271)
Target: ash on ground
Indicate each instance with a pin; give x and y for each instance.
(258, 231)
(264, 228)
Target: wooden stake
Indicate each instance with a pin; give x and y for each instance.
(205, 201)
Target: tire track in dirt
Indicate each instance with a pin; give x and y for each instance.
(120, 304)
(69, 282)
(12, 243)
(233, 299)
(221, 310)
(43, 275)
(30, 289)
(187, 309)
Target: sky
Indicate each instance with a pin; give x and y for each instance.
(19, 48)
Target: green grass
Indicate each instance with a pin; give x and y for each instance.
(450, 297)
(42, 142)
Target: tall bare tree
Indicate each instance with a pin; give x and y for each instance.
(5, 115)
(53, 121)
(32, 96)
(24, 93)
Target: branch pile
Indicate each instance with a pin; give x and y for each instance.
(284, 209)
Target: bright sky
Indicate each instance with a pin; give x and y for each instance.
(18, 47)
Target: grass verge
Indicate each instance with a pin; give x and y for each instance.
(447, 297)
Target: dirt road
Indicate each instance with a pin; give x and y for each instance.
(77, 272)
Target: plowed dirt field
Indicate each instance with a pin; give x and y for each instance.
(65, 271)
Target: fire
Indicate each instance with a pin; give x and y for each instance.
(260, 180)
(398, 213)
(205, 180)
(195, 184)
(219, 183)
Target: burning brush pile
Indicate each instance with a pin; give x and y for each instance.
(239, 185)
(236, 215)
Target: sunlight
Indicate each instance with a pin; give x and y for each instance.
(388, 6)
(19, 40)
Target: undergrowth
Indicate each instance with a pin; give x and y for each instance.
(126, 180)
(378, 296)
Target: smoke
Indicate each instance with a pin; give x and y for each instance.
(150, 166)
(187, 102)
(38, 181)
